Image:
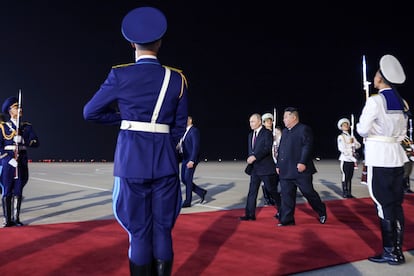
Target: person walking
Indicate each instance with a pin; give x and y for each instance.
(296, 168)
(347, 146)
(268, 122)
(189, 147)
(16, 137)
(152, 113)
(260, 164)
(383, 124)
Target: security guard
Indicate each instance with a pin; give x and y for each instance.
(152, 102)
(14, 160)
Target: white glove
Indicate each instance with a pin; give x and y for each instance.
(18, 139)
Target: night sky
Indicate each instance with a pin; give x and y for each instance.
(239, 59)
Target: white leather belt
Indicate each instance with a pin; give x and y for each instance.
(13, 147)
(144, 126)
(385, 139)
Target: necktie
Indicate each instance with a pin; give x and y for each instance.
(254, 139)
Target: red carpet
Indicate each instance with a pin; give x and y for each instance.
(210, 243)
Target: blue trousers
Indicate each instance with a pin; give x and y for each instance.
(147, 210)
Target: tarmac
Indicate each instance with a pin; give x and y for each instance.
(60, 192)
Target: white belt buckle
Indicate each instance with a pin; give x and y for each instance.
(125, 124)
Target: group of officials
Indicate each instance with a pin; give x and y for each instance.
(286, 159)
(383, 126)
(152, 113)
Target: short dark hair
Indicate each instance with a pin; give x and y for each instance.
(291, 109)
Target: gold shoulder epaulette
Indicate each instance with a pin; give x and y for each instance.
(122, 65)
(174, 69)
(184, 83)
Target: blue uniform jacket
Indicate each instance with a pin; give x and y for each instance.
(135, 89)
(296, 146)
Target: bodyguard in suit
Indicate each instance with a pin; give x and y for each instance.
(260, 142)
(189, 147)
(15, 172)
(152, 102)
(295, 168)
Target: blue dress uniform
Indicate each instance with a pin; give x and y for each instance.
(12, 184)
(152, 103)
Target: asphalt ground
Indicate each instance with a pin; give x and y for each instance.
(68, 192)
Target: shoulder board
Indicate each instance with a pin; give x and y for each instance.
(180, 72)
(122, 65)
(174, 69)
(26, 124)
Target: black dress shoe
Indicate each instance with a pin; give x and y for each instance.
(322, 219)
(277, 215)
(408, 191)
(186, 205)
(385, 257)
(287, 224)
(203, 195)
(247, 218)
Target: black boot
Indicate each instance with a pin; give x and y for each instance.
(344, 191)
(7, 205)
(17, 202)
(349, 190)
(163, 268)
(399, 233)
(388, 242)
(140, 270)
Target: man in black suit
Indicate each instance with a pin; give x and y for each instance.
(260, 142)
(295, 168)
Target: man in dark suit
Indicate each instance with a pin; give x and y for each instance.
(153, 110)
(260, 160)
(295, 168)
(189, 147)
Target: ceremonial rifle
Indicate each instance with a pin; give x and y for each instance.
(352, 134)
(16, 149)
(366, 83)
(275, 144)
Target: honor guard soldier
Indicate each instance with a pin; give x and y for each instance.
(383, 124)
(152, 103)
(15, 138)
(347, 146)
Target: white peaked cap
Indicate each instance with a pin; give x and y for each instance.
(267, 116)
(392, 70)
(341, 121)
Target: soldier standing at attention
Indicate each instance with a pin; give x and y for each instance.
(16, 137)
(383, 124)
(152, 102)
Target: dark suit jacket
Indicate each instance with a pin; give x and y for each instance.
(264, 164)
(296, 146)
(191, 146)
